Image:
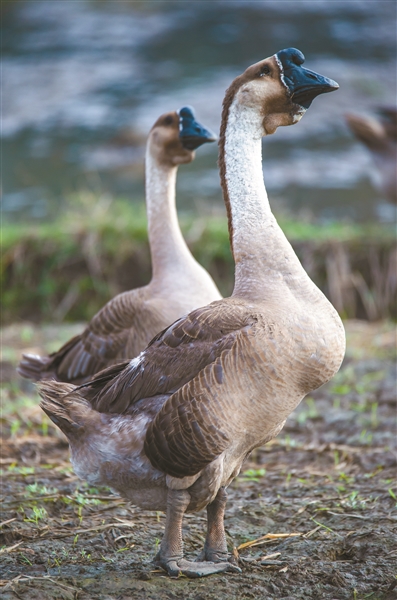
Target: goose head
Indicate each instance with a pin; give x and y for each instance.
(280, 87)
(176, 135)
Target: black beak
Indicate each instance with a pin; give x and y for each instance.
(303, 84)
(191, 132)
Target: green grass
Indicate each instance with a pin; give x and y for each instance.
(87, 212)
(69, 268)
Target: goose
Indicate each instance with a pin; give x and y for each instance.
(380, 138)
(126, 324)
(170, 429)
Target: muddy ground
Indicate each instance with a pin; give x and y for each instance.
(329, 479)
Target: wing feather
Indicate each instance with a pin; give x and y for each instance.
(172, 358)
(120, 330)
(199, 421)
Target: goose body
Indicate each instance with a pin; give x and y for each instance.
(170, 429)
(380, 138)
(126, 324)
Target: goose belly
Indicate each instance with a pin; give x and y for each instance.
(114, 457)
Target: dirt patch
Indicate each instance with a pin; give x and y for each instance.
(329, 478)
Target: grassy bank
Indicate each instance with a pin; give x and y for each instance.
(66, 270)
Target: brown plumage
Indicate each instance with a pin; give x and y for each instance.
(379, 135)
(125, 325)
(170, 429)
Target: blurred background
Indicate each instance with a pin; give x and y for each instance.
(83, 82)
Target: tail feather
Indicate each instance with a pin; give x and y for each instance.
(65, 408)
(70, 363)
(33, 366)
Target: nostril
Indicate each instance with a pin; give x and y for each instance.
(311, 76)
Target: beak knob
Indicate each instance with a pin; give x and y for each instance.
(191, 132)
(303, 85)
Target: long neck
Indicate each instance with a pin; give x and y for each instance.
(261, 252)
(167, 246)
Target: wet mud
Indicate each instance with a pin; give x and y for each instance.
(312, 515)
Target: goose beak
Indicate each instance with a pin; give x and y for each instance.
(303, 85)
(191, 132)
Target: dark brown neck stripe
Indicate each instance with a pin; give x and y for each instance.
(229, 97)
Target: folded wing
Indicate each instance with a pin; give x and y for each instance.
(172, 358)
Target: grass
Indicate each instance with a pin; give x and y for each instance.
(98, 247)
(252, 475)
(88, 212)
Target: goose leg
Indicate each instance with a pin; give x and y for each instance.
(170, 556)
(215, 547)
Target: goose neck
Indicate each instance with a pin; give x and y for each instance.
(261, 252)
(167, 247)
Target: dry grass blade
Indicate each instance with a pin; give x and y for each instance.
(9, 583)
(34, 499)
(123, 537)
(97, 528)
(274, 555)
(310, 533)
(268, 536)
(349, 515)
(8, 521)
(235, 553)
(10, 548)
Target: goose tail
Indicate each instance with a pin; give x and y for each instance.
(64, 406)
(34, 367)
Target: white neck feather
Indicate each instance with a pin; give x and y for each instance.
(246, 189)
(261, 252)
(167, 246)
(173, 265)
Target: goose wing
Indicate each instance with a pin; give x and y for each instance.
(208, 414)
(173, 357)
(119, 330)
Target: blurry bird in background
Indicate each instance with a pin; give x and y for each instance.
(379, 135)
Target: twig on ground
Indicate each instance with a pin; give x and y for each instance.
(8, 521)
(10, 548)
(310, 533)
(326, 527)
(19, 579)
(268, 556)
(268, 536)
(360, 516)
(24, 500)
(347, 515)
(97, 528)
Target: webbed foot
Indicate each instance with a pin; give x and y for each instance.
(170, 556)
(216, 556)
(174, 568)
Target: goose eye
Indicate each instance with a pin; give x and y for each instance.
(168, 120)
(265, 70)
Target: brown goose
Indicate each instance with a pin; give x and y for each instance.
(126, 324)
(380, 137)
(170, 429)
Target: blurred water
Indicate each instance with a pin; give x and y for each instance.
(83, 82)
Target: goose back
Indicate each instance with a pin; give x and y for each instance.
(126, 324)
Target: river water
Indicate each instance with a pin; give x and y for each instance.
(84, 81)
